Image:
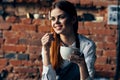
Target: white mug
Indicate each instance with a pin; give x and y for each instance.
(65, 52)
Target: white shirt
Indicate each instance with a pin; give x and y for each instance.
(87, 47)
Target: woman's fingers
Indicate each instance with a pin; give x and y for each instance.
(76, 58)
(47, 38)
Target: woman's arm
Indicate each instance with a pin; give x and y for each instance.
(76, 58)
(84, 74)
(86, 61)
(48, 72)
(90, 58)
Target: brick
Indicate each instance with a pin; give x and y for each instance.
(30, 38)
(10, 76)
(38, 63)
(36, 35)
(3, 62)
(80, 25)
(102, 32)
(100, 3)
(23, 41)
(107, 74)
(14, 48)
(27, 63)
(25, 70)
(9, 68)
(1, 68)
(26, 20)
(101, 60)
(44, 28)
(23, 27)
(114, 27)
(83, 31)
(113, 60)
(22, 56)
(104, 3)
(24, 34)
(45, 3)
(47, 23)
(11, 40)
(1, 53)
(97, 38)
(10, 56)
(10, 34)
(15, 62)
(2, 40)
(110, 46)
(33, 57)
(34, 49)
(111, 39)
(114, 2)
(37, 22)
(21, 48)
(94, 25)
(10, 9)
(5, 26)
(1, 34)
(11, 19)
(21, 11)
(105, 67)
(109, 53)
(35, 42)
(100, 45)
(43, 22)
(85, 2)
(9, 48)
(1, 19)
(99, 53)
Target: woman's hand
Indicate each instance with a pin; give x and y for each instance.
(46, 40)
(77, 58)
(80, 60)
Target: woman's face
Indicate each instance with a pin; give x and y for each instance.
(61, 22)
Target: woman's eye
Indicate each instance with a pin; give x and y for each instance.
(58, 17)
(53, 18)
(62, 16)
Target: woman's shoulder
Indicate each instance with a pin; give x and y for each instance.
(85, 40)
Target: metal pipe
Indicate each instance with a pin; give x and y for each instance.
(117, 74)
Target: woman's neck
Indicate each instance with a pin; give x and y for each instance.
(67, 39)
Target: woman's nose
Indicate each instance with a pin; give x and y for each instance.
(57, 21)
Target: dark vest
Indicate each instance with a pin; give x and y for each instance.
(70, 72)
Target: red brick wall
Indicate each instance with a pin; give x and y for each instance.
(20, 36)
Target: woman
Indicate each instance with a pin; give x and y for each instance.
(64, 33)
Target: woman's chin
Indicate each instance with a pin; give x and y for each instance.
(58, 32)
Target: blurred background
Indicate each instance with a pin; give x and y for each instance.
(24, 22)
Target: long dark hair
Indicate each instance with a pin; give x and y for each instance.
(70, 9)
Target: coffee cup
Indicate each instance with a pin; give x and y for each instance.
(65, 52)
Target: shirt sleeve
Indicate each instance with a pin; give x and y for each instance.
(48, 72)
(90, 57)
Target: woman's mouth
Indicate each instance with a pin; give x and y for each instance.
(58, 27)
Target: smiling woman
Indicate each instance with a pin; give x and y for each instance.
(64, 28)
